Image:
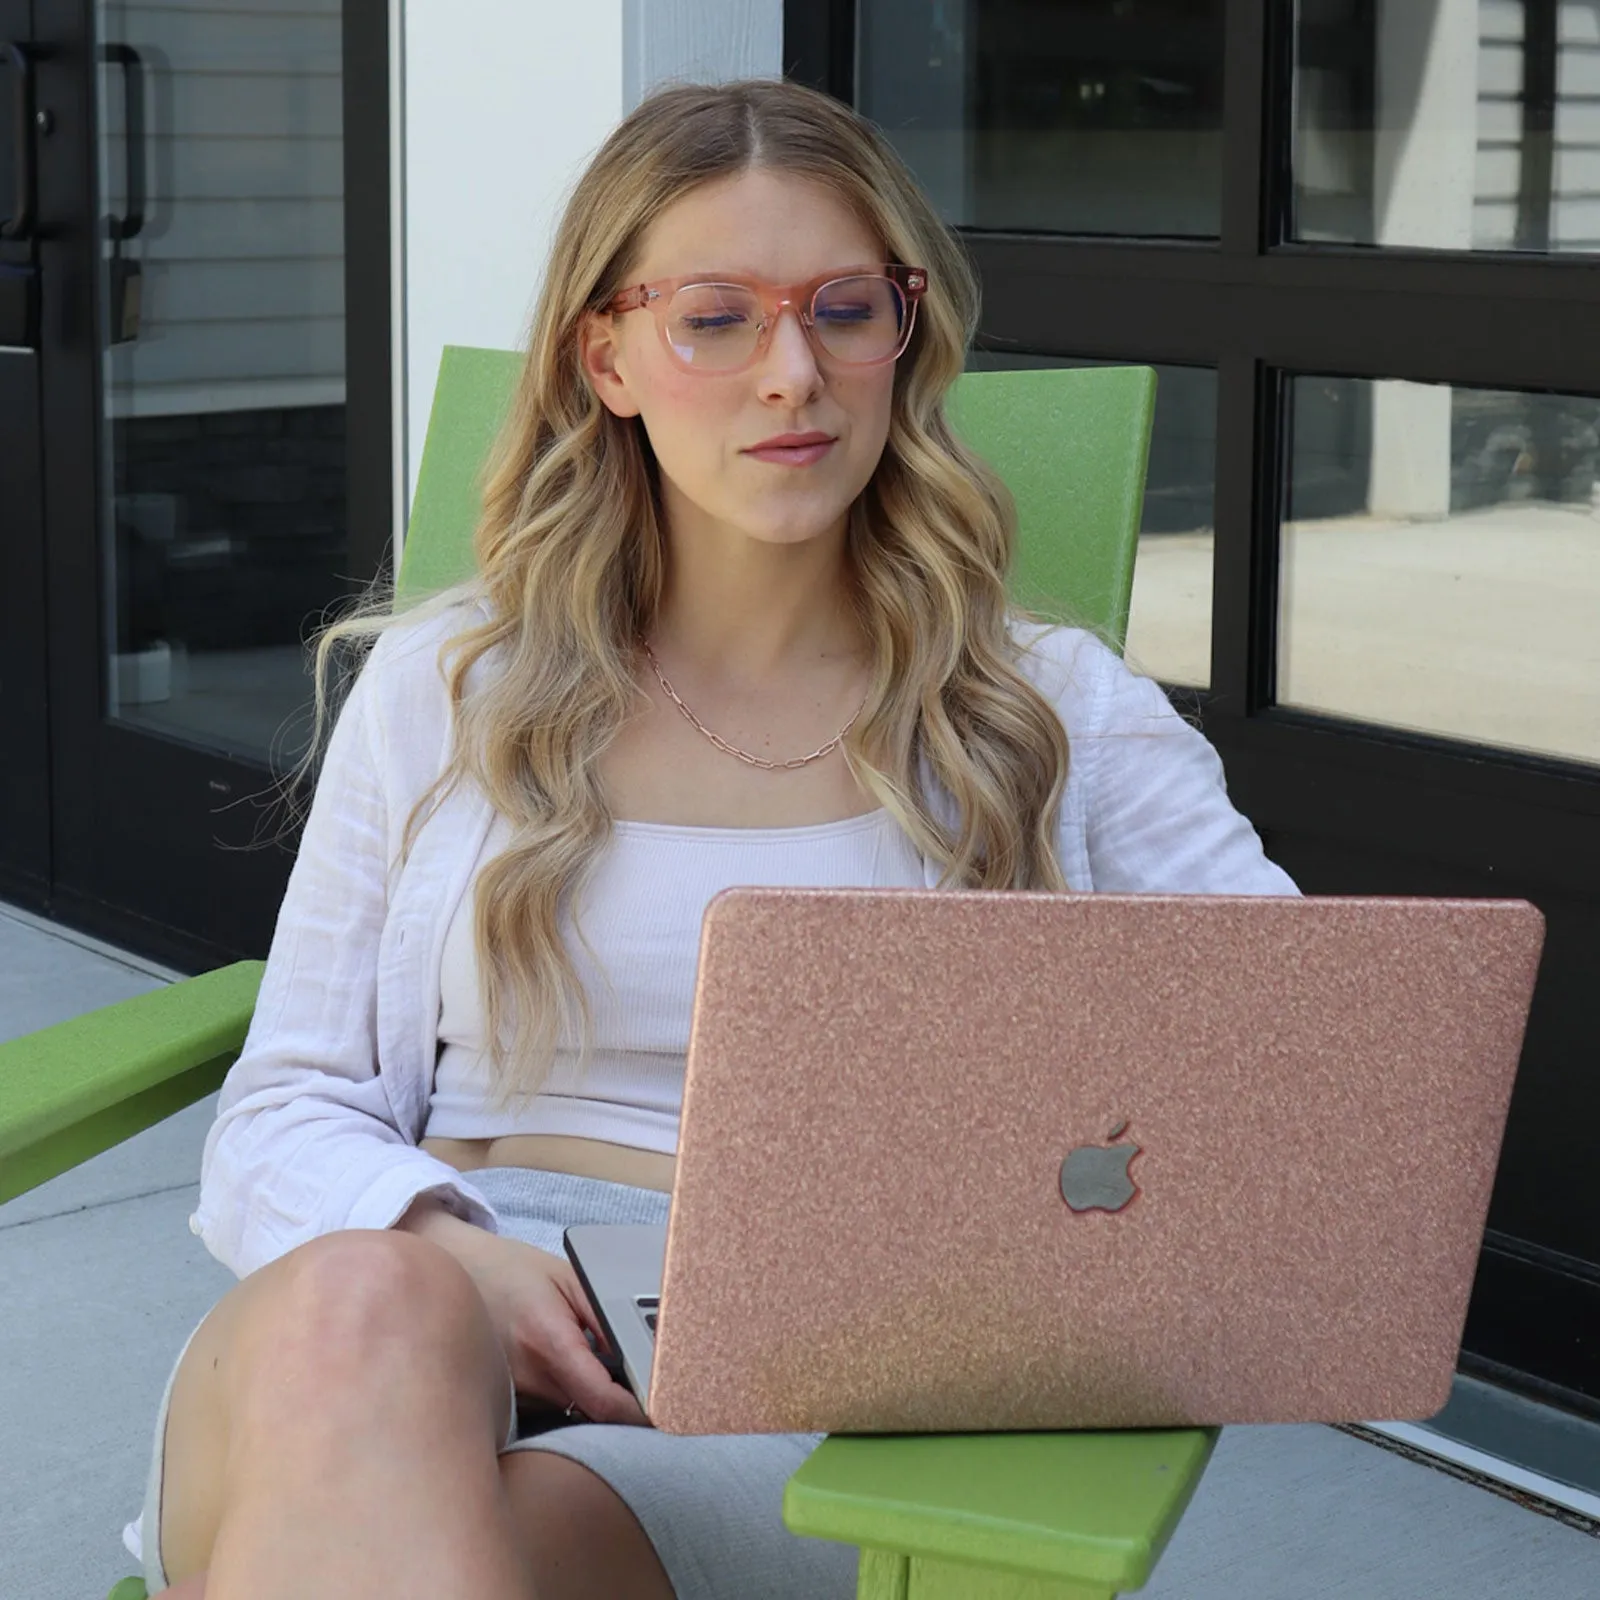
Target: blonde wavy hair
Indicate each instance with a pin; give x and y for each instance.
(571, 558)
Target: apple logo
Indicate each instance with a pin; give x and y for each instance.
(1094, 1177)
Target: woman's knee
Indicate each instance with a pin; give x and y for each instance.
(327, 1334)
(359, 1302)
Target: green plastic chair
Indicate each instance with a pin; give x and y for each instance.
(1063, 1516)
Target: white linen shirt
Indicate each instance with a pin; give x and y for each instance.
(320, 1118)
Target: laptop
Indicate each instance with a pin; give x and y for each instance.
(965, 1161)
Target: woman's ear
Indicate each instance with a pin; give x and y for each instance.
(601, 355)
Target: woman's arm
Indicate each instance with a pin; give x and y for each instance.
(306, 1139)
(547, 1327)
(1157, 816)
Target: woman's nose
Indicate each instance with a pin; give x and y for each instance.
(789, 364)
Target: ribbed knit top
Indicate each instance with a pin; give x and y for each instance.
(640, 919)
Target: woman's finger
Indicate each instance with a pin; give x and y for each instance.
(585, 1383)
(572, 1292)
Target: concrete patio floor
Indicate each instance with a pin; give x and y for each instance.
(103, 1281)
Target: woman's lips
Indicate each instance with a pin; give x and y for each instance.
(793, 449)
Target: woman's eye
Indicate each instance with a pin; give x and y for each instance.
(846, 313)
(713, 324)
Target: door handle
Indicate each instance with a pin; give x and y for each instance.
(131, 65)
(19, 225)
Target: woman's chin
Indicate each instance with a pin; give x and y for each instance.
(796, 527)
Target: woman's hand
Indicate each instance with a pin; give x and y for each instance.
(540, 1312)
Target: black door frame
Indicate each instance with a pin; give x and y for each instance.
(155, 844)
(1351, 807)
(24, 711)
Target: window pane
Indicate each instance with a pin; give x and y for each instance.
(1055, 116)
(1169, 623)
(1448, 124)
(1441, 562)
(224, 452)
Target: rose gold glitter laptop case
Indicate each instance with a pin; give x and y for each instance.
(871, 1228)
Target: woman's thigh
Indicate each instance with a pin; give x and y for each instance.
(317, 1307)
(711, 1509)
(580, 1541)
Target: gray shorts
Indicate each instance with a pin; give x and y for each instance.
(712, 1507)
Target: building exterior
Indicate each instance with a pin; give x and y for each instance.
(1356, 237)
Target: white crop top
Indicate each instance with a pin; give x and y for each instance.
(641, 918)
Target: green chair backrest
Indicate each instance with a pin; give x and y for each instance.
(1070, 443)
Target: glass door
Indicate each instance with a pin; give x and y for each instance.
(208, 446)
(222, 472)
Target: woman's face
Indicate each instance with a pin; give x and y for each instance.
(705, 428)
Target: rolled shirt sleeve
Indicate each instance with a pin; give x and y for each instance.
(1152, 799)
(307, 1139)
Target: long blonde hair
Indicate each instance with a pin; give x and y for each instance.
(571, 560)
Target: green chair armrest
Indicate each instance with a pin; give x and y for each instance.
(71, 1091)
(1088, 1509)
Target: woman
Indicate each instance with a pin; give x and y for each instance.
(740, 617)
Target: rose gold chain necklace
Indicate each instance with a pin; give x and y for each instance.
(733, 749)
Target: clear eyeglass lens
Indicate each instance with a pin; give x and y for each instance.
(858, 319)
(714, 324)
(718, 325)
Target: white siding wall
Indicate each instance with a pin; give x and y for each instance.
(243, 246)
(1494, 219)
(494, 134)
(1575, 210)
(495, 137)
(1575, 219)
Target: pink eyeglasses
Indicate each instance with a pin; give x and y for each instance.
(861, 319)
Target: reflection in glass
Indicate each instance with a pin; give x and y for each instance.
(1448, 124)
(10, 88)
(1055, 116)
(221, 176)
(1169, 622)
(1441, 562)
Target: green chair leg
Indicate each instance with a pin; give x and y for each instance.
(888, 1575)
(1000, 1516)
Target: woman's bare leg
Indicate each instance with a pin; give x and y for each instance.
(333, 1431)
(579, 1539)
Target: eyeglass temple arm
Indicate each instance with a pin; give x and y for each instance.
(632, 299)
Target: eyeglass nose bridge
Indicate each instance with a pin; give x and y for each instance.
(772, 314)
